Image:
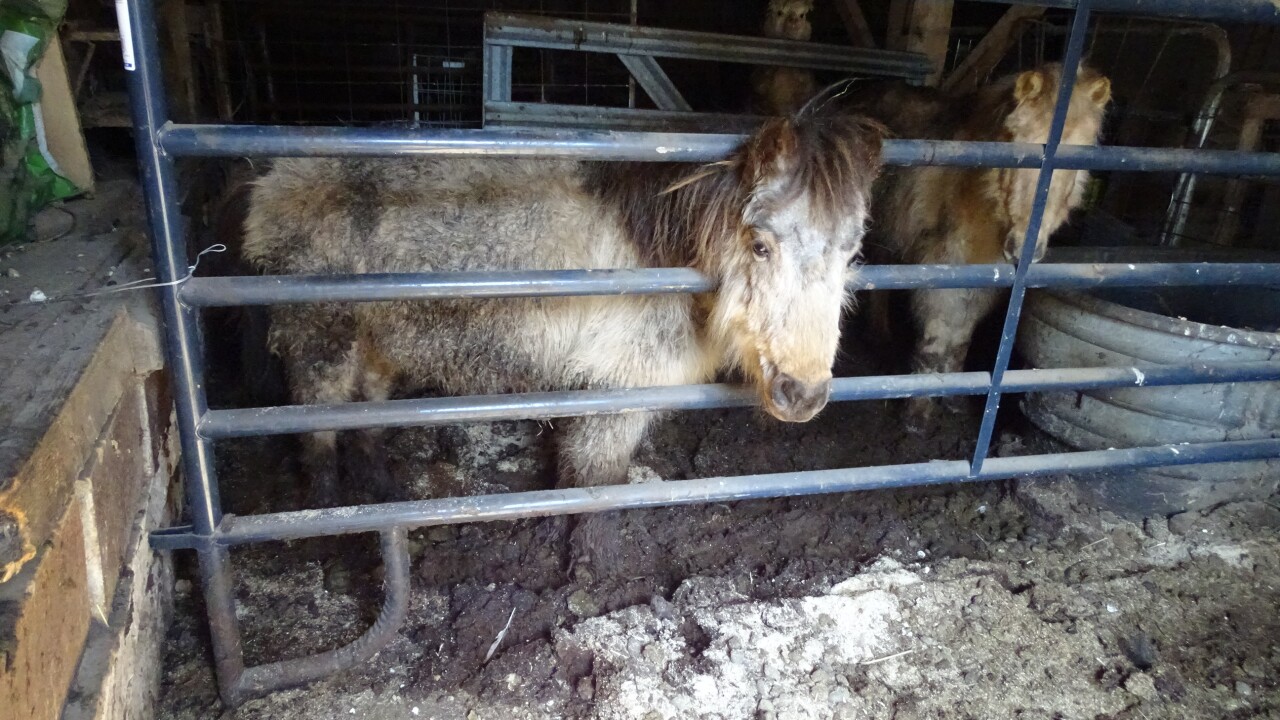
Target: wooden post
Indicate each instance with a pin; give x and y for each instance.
(182, 86)
(922, 26)
(221, 78)
(855, 23)
(989, 51)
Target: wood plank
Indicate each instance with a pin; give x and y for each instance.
(922, 26)
(989, 51)
(855, 23)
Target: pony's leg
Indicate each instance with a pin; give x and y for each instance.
(375, 380)
(317, 345)
(946, 319)
(594, 451)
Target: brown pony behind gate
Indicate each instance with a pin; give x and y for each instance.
(954, 215)
(775, 225)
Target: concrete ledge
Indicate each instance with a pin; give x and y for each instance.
(87, 462)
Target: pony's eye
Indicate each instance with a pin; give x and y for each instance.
(760, 250)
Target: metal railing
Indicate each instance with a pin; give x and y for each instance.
(211, 533)
(638, 48)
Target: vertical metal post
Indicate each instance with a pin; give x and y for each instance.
(139, 37)
(497, 73)
(1075, 47)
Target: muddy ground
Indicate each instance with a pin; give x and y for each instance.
(994, 600)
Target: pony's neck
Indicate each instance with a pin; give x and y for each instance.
(683, 227)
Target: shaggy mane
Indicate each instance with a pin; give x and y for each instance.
(676, 217)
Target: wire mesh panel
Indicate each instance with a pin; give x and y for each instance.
(446, 91)
(392, 62)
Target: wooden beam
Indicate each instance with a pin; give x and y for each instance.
(922, 26)
(989, 51)
(93, 36)
(855, 23)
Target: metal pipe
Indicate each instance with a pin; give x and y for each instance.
(1262, 12)
(1179, 209)
(375, 287)
(247, 422)
(534, 31)
(249, 290)
(159, 181)
(1018, 292)
(541, 503)
(290, 141)
(168, 246)
(260, 680)
(1143, 159)
(220, 607)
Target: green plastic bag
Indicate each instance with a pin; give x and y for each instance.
(29, 177)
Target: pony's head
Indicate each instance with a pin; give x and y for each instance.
(1032, 95)
(788, 19)
(783, 220)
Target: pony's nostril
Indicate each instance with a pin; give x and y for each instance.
(798, 398)
(1011, 249)
(786, 391)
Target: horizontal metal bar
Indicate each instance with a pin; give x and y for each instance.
(293, 141)
(1243, 11)
(1144, 159)
(263, 290)
(540, 503)
(1087, 275)
(248, 422)
(275, 289)
(555, 115)
(290, 141)
(532, 31)
(1067, 275)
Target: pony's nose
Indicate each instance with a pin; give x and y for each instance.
(796, 401)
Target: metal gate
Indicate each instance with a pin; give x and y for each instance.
(211, 533)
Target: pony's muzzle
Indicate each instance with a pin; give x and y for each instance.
(1013, 248)
(792, 400)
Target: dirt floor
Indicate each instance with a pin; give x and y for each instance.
(995, 600)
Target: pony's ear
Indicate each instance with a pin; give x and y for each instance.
(768, 150)
(1100, 91)
(1029, 86)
